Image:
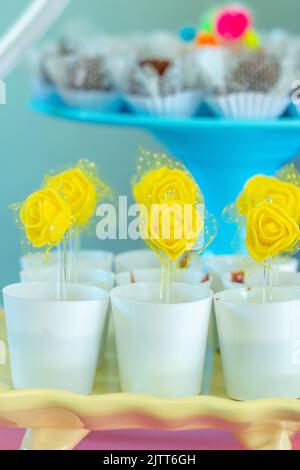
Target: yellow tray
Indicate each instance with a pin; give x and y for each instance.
(60, 420)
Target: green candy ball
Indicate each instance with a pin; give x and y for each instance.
(207, 22)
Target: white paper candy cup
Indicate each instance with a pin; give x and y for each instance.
(87, 259)
(260, 343)
(183, 104)
(249, 105)
(101, 101)
(161, 347)
(54, 344)
(88, 276)
(136, 259)
(193, 277)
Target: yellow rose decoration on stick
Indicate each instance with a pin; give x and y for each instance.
(159, 178)
(81, 188)
(174, 228)
(271, 206)
(165, 184)
(262, 187)
(270, 209)
(46, 218)
(159, 184)
(173, 219)
(271, 231)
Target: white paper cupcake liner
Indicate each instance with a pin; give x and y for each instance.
(249, 105)
(184, 104)
(102, 101)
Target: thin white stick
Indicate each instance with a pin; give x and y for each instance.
(62, 258)
(32, 24)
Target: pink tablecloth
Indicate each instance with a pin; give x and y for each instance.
(148, 440)
(134, 440)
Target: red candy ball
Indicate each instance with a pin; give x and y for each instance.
(233, 23)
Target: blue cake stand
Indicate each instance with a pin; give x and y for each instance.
(221, 154)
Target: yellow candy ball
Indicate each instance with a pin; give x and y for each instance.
(252, 40)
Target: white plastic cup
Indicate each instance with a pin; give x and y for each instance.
(147, 259)
(154, 275)
(256, 279)
(219, 265)
(260, 342)
(222, 264)
(228, 283)
(86, 259)
(161, 347)
(54, 344)
(89, 276)
(136, 259)
(290, 265)
(278, 279)
(198, 263)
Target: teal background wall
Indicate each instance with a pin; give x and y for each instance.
(31, 144)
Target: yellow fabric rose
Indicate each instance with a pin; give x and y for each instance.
(166, 184)
(46, 218)
(270, 231)
(78, 191)
(260, 188)
(173, 227)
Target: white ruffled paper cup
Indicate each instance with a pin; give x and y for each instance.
(86, 259)
(183, 104)
(260, 343)
(136, 259)
(88, 276)
(161, 347)
(54, 344)
(249, 105)
(84, 100)
(196, 278)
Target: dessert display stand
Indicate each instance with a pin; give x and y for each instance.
(221, 155)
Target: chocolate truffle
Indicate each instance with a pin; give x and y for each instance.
(160, 65)
(257, 71)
